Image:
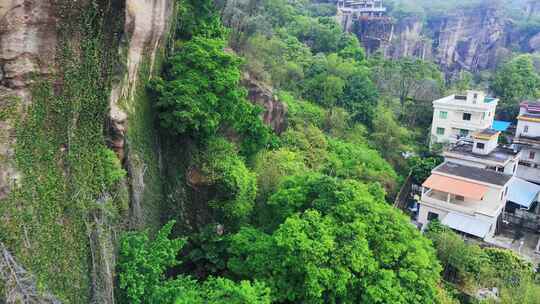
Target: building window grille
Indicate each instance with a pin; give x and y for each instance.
(532, 155)
(526, 129)
(443, 115)
(440, 131)
(467, 116)
(432, 216)
(480, 146)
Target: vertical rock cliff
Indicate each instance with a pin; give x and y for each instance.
(72, 77)
(472, 39)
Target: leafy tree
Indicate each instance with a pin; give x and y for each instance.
(360, 97)
(408, 79)
(516, 80)
(200, 92)
(272, 167)
(359, 162)
(421, 167)
(339, 243)
(310, 142)
(143, 264)
(389, 137)
(234, 187)
(198, 18)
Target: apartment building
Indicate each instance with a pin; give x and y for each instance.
(527, 138)
(458, 116)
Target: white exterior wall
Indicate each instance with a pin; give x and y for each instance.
(489, 146)
(534, 128)
(482, 116)
(487, 210)
(531, 173)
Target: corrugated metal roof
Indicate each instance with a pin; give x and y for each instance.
(455, 186)
(467, 224)
(522, 192)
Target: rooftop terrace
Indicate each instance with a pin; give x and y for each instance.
(472, 173)
(500, 154)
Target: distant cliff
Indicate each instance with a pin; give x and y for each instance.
(473, 39)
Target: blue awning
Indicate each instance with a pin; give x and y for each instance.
(467, 224)
(501, 126)
(522, 192)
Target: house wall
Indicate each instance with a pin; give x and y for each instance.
(482, 116)
(534, 128)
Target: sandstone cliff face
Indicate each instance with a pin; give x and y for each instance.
(31, 52)
(464, 39)
(27, 47)
(147, 24)
(274, 111)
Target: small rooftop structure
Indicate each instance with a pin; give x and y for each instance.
(500, 155)
(473, 174)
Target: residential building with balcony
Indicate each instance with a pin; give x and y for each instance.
(467, 199)
(527, 137)
(458, 116)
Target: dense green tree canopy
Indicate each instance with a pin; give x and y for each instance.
(339, 242)
(515, 81)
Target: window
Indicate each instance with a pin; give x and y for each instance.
(443, 115)
(526, 129)
(432, 216)
(505, 191)
(532, 155)
(480, 146)
(440, 131)
(463, 132)
(460, 198)
(483, 115)
(515, 167)
(467, 116)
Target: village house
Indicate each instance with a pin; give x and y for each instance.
(464, 198)
(458, 116)
(528, 139)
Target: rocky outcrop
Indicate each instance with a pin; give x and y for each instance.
(274, 111)
(146, 24)
(27, 49)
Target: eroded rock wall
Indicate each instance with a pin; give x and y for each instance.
(27, 51)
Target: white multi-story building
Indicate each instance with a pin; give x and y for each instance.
(466, 199)
(528, 139)
(458, 116)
